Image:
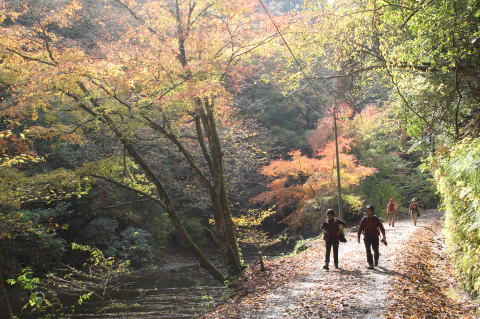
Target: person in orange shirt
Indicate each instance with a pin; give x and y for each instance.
(392, 212)
(414, 211)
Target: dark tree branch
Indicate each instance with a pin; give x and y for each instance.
(135, 15)
(191, 161)
(457, 110)
(121, 185)
(414, 12)
(404, 99)
(46, 41)
(337, 76)
(26, 57)
(201, 142)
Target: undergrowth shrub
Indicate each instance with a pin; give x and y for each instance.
(457, 176)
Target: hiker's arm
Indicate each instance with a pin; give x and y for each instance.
(323, 228)
(341, 225)
(360, 229)
(382, 229)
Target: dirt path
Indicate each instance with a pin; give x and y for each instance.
(426, 285)
(357, 292)
(353, 291)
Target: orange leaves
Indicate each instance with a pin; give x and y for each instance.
(324, 130)
(301, 178)
(282, 196)
(298, 165)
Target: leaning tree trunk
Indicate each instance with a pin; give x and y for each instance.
(179, 227)
(162, 193)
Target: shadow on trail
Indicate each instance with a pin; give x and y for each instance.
(380, 270)
(354, 273)
(388, 272)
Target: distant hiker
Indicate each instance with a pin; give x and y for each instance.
(332, 231)
(392, 212)
(370, 226)
(414, 212)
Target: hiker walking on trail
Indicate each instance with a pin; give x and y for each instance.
(392, 212)
(414, 212)
(332, 228)
(371, 226)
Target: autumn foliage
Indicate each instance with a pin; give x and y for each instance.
(154, 72)
(302, 178)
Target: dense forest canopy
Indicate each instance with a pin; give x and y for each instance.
(131, 129)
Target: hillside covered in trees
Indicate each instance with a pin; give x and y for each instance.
(136, 133)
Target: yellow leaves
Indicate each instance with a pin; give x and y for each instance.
(64, 15)
(60, 132)
(5, 134)
(7, 161)
(57, 185)
(120, 170)
(253, 217)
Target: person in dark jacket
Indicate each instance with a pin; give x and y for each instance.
(332, 229)
(371, 226)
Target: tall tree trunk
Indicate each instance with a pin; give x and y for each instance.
(224, 227)
(337, 156)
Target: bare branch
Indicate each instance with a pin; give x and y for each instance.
(46, 42)
(373, 67)
(135, 15)
(121, 185)
(181, 148)
(410, 16)
(26, 57)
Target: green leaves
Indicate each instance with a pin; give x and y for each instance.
(84, 297)
(458, 180)
(118, 169)
(37, 299)
(56, 185)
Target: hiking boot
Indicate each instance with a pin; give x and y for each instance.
(376, 263)
(371, 267)
(336, 266)
(325, 267)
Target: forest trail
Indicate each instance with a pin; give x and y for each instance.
(353, 291)
(356, 291)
